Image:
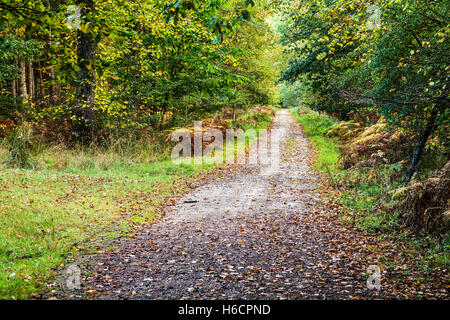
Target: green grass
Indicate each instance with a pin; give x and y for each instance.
(72, 201)
(316, 126)
(362, 190)
(47, 215)
(253, 120)
(360, 194)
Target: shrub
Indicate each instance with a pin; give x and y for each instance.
(19, 144)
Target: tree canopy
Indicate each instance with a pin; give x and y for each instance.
(384, 56)
(102, 65)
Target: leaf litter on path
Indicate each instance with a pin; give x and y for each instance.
(253, 236)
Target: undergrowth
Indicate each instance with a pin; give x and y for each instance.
(57, 201)
(367, 192)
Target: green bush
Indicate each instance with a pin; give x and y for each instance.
(19, 143)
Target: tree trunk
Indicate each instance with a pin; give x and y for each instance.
(418, 150)
(41, 81)
(23, 81)
(137, 68)
(163, 110)
(14, 86)
(83, 111)
(54, 6)
(30, 83)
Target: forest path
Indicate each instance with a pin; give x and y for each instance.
(253, 234)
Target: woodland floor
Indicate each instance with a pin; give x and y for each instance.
(253, 234)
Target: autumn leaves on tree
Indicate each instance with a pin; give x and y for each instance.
(124, 65)
(355, 57)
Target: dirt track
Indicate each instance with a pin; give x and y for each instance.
(253, 234)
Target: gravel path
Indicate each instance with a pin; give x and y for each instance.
(253, 234)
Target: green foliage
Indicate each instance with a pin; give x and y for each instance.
(58, 201)
(19, 144)
(49, 215)
(14, 48)
(349, 63)
(365, 194)
(291, 94)
(148, 64)
(316, 126)
(252, 120)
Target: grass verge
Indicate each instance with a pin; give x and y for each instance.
(364, 193)
(72, 201)
(48, 215)
(315, 127)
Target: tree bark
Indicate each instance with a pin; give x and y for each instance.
(14, 86)
(137, 68)
(30, 82)
(23, 81)
(41, 81)
(418, 150)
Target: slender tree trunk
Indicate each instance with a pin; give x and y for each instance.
(41, 81)
(53, 97)
(23, 81)
(163, 110)
(137, 68)
(83, 111)
(418, 150)
(52, 86)
(14, 86)
(30, 83)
